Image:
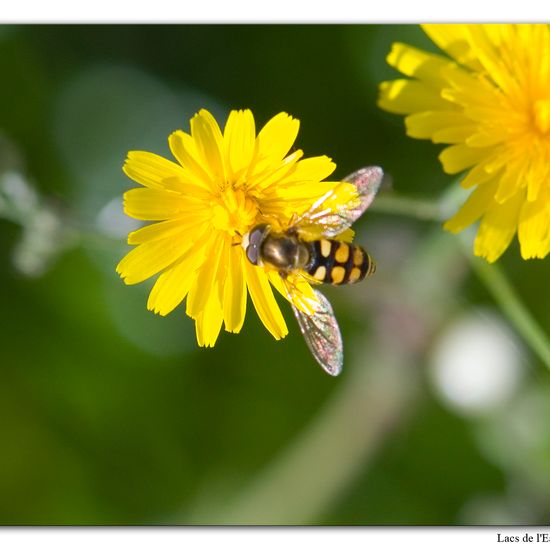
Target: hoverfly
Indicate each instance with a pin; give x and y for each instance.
(325, 260)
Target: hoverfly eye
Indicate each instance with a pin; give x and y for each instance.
(255, 239)
(252, 254)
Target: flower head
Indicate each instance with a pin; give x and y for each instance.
(223, 184)
(490, 101)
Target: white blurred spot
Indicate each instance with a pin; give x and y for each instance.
(44, 234)
(16, 194)
(476, 365)
(42, 240)
(113, 222)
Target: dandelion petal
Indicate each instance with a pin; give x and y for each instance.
(277, 136)
(497, 228)
(234, 291)
(239, 139)
(533, 229)
(264, 301)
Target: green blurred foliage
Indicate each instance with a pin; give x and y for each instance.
(111, 415)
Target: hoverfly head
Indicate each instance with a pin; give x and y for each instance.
(252, 242)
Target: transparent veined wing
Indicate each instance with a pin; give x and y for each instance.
(322, 335)
(367, 182)
(334, 221)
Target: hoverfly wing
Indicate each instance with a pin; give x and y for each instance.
(322, 335)
(367, 182)
(333, 222)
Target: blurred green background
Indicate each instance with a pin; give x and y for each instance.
(112, 415)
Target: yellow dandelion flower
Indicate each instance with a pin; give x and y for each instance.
(489, 100)
(223, 184)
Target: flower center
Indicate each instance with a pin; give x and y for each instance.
(541, 115)
(234, 211)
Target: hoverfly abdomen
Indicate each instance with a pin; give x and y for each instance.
(338, 263)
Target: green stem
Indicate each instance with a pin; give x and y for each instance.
(506, 297)
(407, 206)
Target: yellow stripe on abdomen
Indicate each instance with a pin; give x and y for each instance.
(342, 253)
(337, 275)
(320, 273)
(326, 247)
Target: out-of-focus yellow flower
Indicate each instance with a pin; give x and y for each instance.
(491, 103)
(222, 185)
